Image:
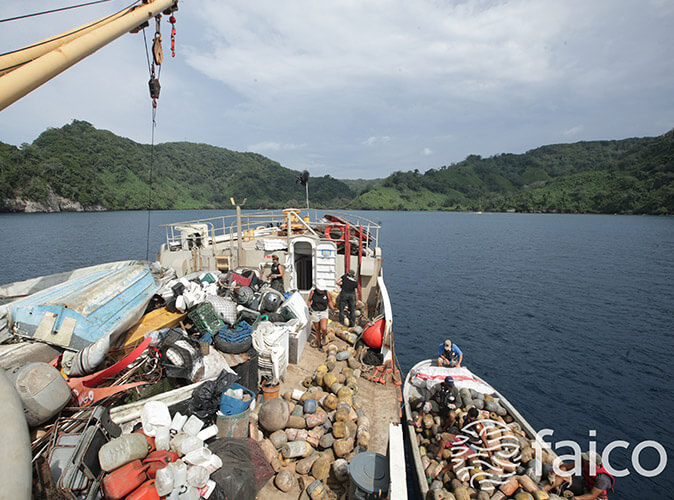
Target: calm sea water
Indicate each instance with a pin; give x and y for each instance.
(570, 316)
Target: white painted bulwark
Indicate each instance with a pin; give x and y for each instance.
(398, 489)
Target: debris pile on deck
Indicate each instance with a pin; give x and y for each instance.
(489, 458)
(170, 407)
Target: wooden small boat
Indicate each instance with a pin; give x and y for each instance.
(429, 468)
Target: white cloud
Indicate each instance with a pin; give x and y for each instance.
(371, 141)
(427, 152)
(324, 85)
(274, 146)
(574, 130)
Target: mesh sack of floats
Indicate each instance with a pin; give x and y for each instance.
(205, 319)
(224, 308)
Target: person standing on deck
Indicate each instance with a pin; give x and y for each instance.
(449, 355)
(347, 297)
(319, 301)
(276, 276)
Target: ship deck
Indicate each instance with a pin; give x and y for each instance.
(380, 402)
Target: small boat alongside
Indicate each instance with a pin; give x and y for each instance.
(495, 456)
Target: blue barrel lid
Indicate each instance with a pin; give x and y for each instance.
(369, 472)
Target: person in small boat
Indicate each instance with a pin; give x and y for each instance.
(276, 276)
(449, 399)
(586, 486)
(347, 297)
(474, 432)
(319, 301)
(449, 354)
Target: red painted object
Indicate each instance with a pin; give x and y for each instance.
(124, 480)
(158, 460)
(373, 335)
(146, 491)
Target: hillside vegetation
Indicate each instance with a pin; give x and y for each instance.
(79, 167)
(631, 176)
(100, 170)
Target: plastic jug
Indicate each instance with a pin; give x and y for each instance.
(124, 480)
(158, 460)
(145, 491)
(208, 432)
(162, 438)
(122, 450)
(193, 425)
(154, 414)
(179, 469)
(197, 476)
(200, 456)
(183, 443)
(177, 423)
(164, 481)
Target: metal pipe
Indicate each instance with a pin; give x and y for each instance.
(16, 84)
(239, 237)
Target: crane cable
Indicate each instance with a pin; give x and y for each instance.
(157, 59)
(154, 94)
(25, 16)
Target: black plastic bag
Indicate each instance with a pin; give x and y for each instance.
(205, 400)
(244, 469)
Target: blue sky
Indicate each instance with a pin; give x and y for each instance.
(364, 88)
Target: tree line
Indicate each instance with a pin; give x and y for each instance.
(102, 171)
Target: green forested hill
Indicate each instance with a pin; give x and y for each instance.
(625, 176)
(99, 169)
(81, 167)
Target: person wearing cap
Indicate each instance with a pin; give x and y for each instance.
(347, 297)
(276, 276)
(449, 355)
(449, 399)
(589, 485)
(319, 301)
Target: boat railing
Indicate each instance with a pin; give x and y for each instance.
(225, 228)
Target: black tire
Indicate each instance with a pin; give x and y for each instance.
(232, 347)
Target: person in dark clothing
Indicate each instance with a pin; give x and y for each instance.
(276, 276)
(347, 297)
(319, 301)
(448, 399)
(589, 485)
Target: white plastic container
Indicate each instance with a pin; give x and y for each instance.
(191, 493)
(164, 481)
(213, 464)
(177, 423)
(197, 476)
(193, 425)
(162, 438)
(183, 443)
(179, 473)
(154, 414)
(208, 432)
(199, 456)
(122, 450)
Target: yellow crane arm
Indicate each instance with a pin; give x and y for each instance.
(27, 69)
